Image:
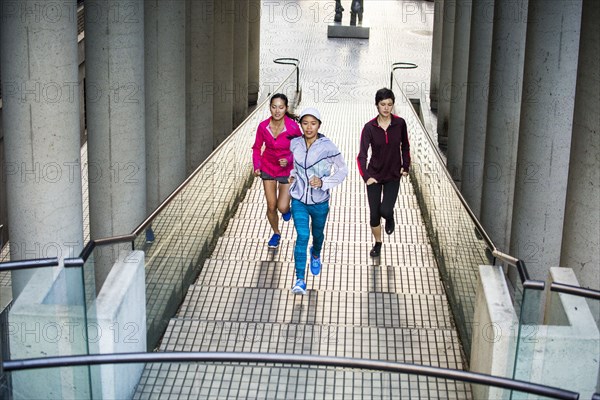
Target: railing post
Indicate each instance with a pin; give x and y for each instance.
(291, 61)
(400, 65)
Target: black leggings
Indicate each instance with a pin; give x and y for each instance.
(382, 208)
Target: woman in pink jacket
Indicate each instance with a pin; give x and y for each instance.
(273, 161)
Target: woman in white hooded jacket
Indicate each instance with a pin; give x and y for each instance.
(318, 167)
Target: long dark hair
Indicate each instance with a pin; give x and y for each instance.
(285, 101)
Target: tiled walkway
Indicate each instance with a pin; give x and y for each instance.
(393, 308)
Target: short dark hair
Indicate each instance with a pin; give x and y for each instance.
(384, 93)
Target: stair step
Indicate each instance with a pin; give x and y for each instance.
(340, 231)
(341, 214)
(438, 348)
(376, 309)
(392, 254)
(225, 381)
(335, 277)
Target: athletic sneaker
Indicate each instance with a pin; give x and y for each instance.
(389, 226)
(287, 216)
(315, 263)
(274, 241)
(149, 235)
(299, 287)
(376, 250)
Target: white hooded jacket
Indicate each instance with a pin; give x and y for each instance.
(322, 159)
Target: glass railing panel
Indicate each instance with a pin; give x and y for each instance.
(456, 242)
(167, 262)
(558, 343)
(48, 318)
(529, 315)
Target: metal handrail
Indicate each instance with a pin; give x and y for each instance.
(515, 262)
(575, 290)
(28, 264)
(175, 192)
(295, 359)
(295, 62)
(87, 250)
(400, 65)
(115, 239)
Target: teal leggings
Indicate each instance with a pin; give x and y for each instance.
(302, 213)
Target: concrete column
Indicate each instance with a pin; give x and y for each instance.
(41, 132)
(549, 81)
(165, 98)
(458, 100)
(580, 248)
(510, 23)
(436, 53)
(114, 52)
(3, 209)
(445, 86)
(240, 62)
(253, 51)
(223, 71)
(199, 81)
(480, 57)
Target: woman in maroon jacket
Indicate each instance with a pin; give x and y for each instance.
(387, 137)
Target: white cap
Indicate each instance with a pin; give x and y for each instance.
(310, 111)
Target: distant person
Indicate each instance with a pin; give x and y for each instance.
(387, 137)
(273, 161)
(356, 9)
(318, 167)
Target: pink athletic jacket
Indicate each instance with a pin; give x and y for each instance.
(274, 148)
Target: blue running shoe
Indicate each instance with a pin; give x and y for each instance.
(149, 235)
(287, 216)
(315, 263)
(274, 241)
(299, 287)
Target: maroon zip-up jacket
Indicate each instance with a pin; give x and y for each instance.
(390, 150)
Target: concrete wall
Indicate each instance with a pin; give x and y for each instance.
(120, 320)
(494, 331)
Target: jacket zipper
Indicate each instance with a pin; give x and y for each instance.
(306, 171)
